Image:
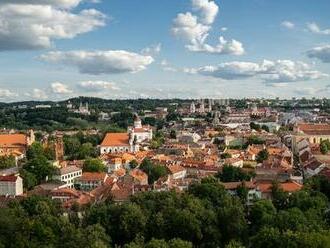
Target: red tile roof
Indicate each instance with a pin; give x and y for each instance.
(116, 139)
(8, 178)
(13, 140)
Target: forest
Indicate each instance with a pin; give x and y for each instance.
(204, 216)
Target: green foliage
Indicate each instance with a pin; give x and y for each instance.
(133, 164)
(94, 165)
(7, 162)
(154, 171)
(265, 128)
(325, 146)
(80, 146)
(40, 167)
(173, 134)
(233, 174)
(225, 155)
(255, 126)
(254, 139)
(262, 155)
(204, 216)
(158, 140)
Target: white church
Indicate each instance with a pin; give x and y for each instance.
(127, 142)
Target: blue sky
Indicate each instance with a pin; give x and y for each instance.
(56, 49)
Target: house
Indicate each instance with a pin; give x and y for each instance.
(314, 133)
(265, 188)
(177, 171)
(11, 185)
(68, 175)
(253, 192)
(15, 144)
(236, 162)
(90, 180)
(139, 176)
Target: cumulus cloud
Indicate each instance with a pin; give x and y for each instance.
(288, 24)
(314, 28)
(100, 62)
(59, 88)
(5, 93)
(208, 10)
(195, 29)
(35, 24)
(95, 86)
(321, 52)
(280, 71)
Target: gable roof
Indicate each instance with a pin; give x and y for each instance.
(13, 140)
(116, 139)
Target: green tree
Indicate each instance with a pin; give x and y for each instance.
(262, 155)
(233, 174)
(93, 165)
(40, 167)
(7, 162)
(154, 171)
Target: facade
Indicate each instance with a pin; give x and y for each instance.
(68, 175)
(118, 142)
(139, 132)
(126, 142)
(11, 185)
(15, 144)
(313, 133)
(90, 180)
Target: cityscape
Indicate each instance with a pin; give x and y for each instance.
(164, 124)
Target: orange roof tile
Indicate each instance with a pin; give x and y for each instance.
(13, 140)
(93, 176)
(116, 139)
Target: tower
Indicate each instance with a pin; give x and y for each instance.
(137, 121)
(192, 108)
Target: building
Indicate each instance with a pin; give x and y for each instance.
(90, 180)
(15, 144)
(68, 175)
(314, 133)
(177, 171)
(127, 142)
(118, 142)
(140, 132)
(11, 185)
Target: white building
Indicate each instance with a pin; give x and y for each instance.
(68, 175)
(11, 185)
(139, 132)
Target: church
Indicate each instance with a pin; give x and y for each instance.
(127, 142)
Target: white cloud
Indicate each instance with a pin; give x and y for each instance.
(288, 24)
(37, 94)
(280, 71)
(224, 29)
(100, 62)
(208, 10)
(194, 30)
(59, 88)
(5, 93)
(35, 24)
(152, 50)
(95, 86)
(321, 52)
(314, 28)
(56, 3)
(233, 47)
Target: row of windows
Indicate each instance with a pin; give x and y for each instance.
(71, 175)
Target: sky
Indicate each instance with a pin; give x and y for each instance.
(119, 49)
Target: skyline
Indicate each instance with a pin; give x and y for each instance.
(161, 49)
